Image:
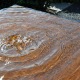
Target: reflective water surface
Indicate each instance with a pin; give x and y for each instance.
(35, 45)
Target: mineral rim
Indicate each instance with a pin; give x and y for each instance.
(51, 48)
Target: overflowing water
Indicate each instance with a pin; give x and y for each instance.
(32, 42)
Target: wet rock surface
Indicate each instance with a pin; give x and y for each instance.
(66, 10)
(52, 46)
(71, 13)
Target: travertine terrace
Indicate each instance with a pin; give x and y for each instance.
(35, 45)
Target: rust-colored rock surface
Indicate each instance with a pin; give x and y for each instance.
(35, 45)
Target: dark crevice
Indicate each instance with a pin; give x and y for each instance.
(35, 4)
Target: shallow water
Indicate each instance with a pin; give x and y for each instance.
(70, 16)
(55, 42)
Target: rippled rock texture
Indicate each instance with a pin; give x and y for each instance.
(35, 45)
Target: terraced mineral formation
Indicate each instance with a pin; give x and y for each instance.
(35, 45)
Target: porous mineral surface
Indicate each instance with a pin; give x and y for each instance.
(35, 45)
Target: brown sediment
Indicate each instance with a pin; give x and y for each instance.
(50, 51)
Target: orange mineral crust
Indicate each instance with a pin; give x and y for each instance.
(35, 45)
